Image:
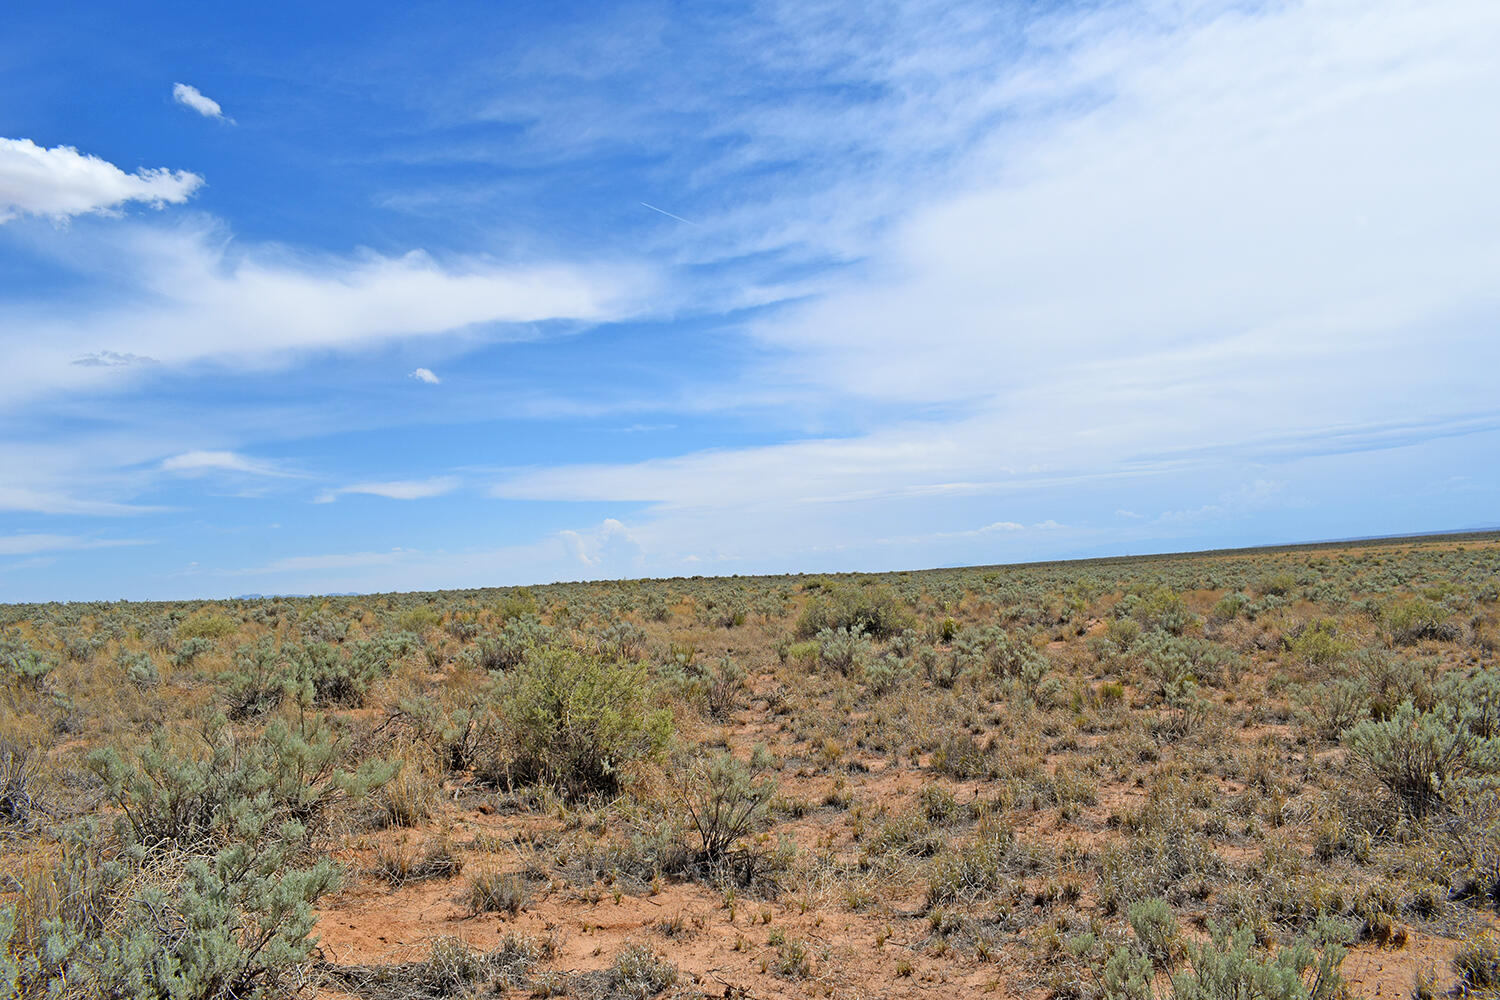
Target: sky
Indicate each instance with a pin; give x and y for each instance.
(345, 298)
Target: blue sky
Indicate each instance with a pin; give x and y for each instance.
(456, 295)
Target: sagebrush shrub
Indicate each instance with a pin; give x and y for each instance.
(188, 800)
(1422, 757)
(1229, 967)
(1156, 931)
(22, 666)
(845, 649)
(725, 801)
(18, 767)
(203, 889)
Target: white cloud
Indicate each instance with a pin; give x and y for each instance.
(341, 561)
(50, 501)
(61, 182)
(191, 97)
(603, 551)
(407, 489)
(199, 462)
(610, 547)
(22, 545)
(1305, 177)
(425, 375)
(1200, 235)
(199, 300)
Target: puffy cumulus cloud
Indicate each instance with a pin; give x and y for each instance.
(425, 375)
(191, 97)
(608, 548)
(404, 489)
(62, 182)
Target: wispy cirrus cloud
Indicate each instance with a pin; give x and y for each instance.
(198, 299)
(194, 463)
(1172, 244)
(61, 182)
(404, 489)
(48, 501)
(30, 544)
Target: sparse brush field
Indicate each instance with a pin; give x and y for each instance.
(1262, 774)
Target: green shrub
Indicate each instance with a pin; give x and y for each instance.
(1228, 967)
(321, 627)
(1163, 609)
(1230, 607)
(257, 683)
(873, 610)
(190, 649)
(574, 721)
(1276, 585)
(846, 650)
(1416, 619)
(207, 626)
(286, 775)
(1123, 632)
(887, 672)
(1422, 757)
(203, 890)
(335, 675)
(1333, 706)
(312, 673)
(144, 921)
(418, 620)
(23, 667)
(1156, 931)
(621, 640)
(1476, 699)
(1392, 680)
(1170, 659)
(1317, 642)
(140, 670)
(507, 649)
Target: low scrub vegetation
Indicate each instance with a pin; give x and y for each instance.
(1261, 774)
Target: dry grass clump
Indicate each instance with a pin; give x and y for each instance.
(497, 892)
(400, 863)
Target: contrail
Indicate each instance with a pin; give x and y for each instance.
(669, 215)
